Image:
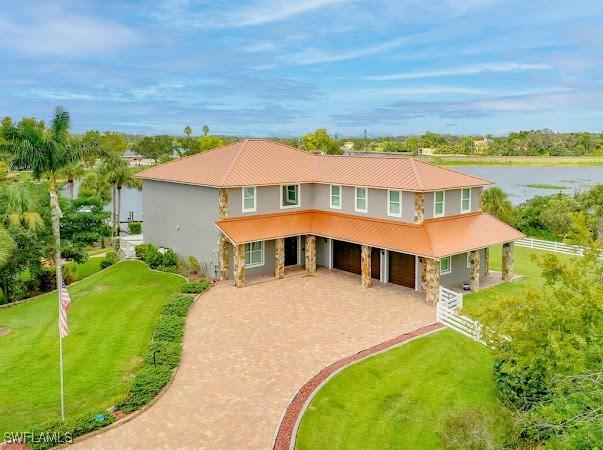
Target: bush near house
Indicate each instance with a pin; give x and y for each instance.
(162, 355)
(195, 287)
(166, 261)
(135, 227)
(109, 259)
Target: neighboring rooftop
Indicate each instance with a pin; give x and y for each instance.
(258, 162)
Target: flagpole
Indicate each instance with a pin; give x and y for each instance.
(61, 364)
(56, 216)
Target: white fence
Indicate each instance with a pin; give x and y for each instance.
(447, 310)
(550, 246)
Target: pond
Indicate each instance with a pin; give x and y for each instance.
(525, 182)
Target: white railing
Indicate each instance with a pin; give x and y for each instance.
(447, 308)
(551, 246)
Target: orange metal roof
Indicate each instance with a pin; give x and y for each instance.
(257, 162)
(433, 238)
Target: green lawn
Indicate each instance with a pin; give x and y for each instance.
(98, 251)
(111, 321)
(85, 269)
(399, 399)
(523, 265)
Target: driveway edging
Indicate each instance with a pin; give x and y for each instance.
(285, 434)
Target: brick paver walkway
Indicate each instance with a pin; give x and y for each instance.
(247, 351)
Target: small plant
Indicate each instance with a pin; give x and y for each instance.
(135, 227)
(141, 250)
(195, 287)
(109, 259)
(193, 264)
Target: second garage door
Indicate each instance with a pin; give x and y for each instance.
(402, 269)
(346, 256)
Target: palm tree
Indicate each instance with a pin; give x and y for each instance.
(20, 209)
(46, 152)
(73, 171)
(7, 246)
(205, 130)
(496, 202)
(118, 173)
(188, 130)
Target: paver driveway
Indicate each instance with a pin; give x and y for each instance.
(247, 351)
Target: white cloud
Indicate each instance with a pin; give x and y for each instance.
(56, 32)
(465, 70)
(276, 11)
(370, 94)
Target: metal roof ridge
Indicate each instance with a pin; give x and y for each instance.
(233, 162)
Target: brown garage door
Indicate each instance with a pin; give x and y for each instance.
(402, 269)
(376, 264)
(346, 256)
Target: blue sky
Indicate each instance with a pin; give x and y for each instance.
(268, 68)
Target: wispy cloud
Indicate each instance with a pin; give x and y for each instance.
(370, 94)
(464, 70)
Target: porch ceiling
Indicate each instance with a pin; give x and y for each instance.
(433, 238)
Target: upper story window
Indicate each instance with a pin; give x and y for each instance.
(249, 199)
(361, 199)
(438, 203)
(335, 202)
(394, 203)
(465, 200)
(290, 196)
(254, 254)
(445, 265)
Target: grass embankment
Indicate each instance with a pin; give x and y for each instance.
(400, 398)
(523, 265)
(475, 160)
(110, 325)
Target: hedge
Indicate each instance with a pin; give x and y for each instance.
(163, 354)
(195, 287)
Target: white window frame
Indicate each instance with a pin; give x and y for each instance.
(331, 205)
(298, 196)
(258, 264)
(435, 214)
(365, 210)
(444, 272)
(469, 200)
(468, 260)
(255, 199)
(389, 212)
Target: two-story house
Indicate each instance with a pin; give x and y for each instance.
(255, 207)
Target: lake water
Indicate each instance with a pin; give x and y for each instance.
(514, 180)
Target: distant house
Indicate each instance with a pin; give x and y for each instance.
(480, 145)
(347, 146)
(426, 151)
(133, 158)
(253, 207)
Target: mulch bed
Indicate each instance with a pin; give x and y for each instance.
(286, 430)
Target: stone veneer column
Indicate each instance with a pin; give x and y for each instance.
(222, 241)
(432, 280)
(474, 275)
(279, 258)
(366, 266)
(239, 265)
(419, 207)
(486, 261)
(310, 253)
(507, 261)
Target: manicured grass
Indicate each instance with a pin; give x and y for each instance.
(523, 265)
(555, 187)
(98, 251)
(85, 269)
(399, 399)
(110, 324)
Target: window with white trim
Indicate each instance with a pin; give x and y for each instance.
(438, 203)
(361, 199)
(394, 203)
(465, 200)
(249, 204)
(254, 254)
(335, 196)
(445, 265)
(290, 196)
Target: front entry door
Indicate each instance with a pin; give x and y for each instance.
(291, 251)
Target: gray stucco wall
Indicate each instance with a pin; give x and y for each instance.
(266, 269)
(452, 202)
(322, 251)
(460, 272)
(182, 217)
(268, 200)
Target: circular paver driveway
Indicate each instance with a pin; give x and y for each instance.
(247, 351)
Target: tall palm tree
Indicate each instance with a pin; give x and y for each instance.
(73, 171)
(46, 152)
(496, 202)
(20, 209)
(7, 246)
(205, 130)
(119, 174)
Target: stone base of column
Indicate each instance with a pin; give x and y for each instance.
(507, 261)
(366, 266)
(239, 265)
(474, 276)
(223, 245)
(310, 253)
(279, 256)
(432, 280)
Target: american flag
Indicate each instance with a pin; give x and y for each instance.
(65, 302)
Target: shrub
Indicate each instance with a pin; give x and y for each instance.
(169, 269)
(169, 328)
(195, 287)
(177, 305)
(153, 257)
(109, 259)
(147, 383)
(141, 250)
(169, 258)
(168, 354)
(69, 430)
(68, 275)
(193, 263)
(134, 227)
(467, 429)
